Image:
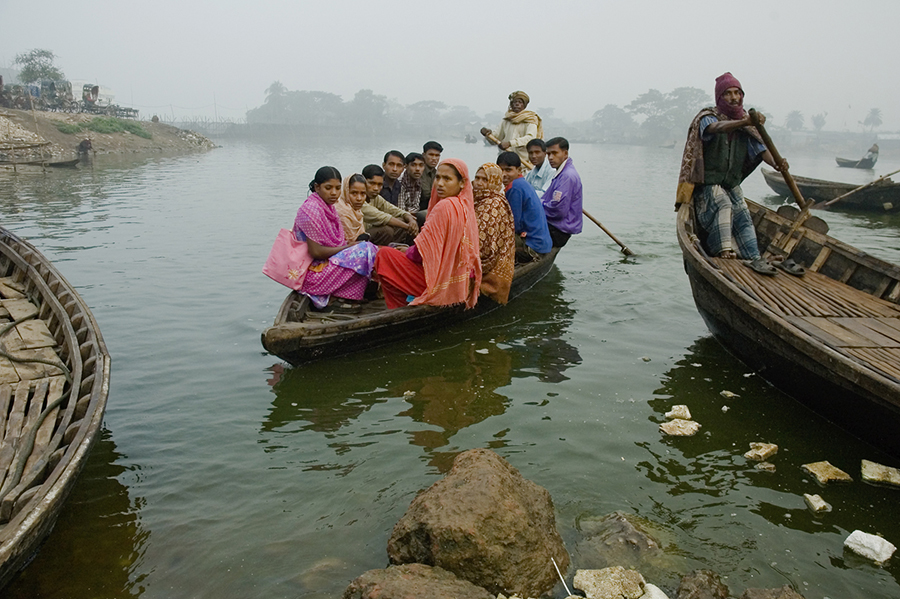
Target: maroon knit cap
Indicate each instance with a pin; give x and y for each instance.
(724, 82)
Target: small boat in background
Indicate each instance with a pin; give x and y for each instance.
(54, 383)
(868, 161)
(830, 338)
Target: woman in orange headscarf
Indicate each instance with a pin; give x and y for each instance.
(443, 267)
(496, 233)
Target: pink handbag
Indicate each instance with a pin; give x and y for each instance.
(288, 260)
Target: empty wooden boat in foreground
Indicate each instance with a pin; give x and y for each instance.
(301, 334)
(54, 382)
(831, 339)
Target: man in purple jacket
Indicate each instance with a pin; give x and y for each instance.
(562, 200)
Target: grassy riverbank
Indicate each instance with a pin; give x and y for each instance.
(108, 135)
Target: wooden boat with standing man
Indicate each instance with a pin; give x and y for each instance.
(301, 334)
(881, 195)
(830, 338)
(54, 383)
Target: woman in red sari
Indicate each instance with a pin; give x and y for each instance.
(443, 267)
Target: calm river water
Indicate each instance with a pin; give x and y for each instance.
(224, 473)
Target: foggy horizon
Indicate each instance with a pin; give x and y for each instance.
(211, 59)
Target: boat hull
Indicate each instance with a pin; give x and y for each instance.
(754, 319)
(299, 342)
(863, 163)
(29, 511)
(880, 197)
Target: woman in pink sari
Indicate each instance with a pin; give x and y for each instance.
(339, 268)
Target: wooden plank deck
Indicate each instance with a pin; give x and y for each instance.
(862, 327)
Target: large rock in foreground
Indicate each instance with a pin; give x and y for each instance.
(702, 584)
(485, 523)
(413, 580)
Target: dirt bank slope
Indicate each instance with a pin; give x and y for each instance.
(23, 126)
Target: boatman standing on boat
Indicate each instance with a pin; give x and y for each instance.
(722, 149)
(518, 127)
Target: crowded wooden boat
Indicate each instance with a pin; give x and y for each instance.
(54, 382)
(829, 338)
(301, 334)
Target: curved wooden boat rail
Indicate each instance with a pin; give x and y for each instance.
(29, 510)
(880, 195)
(792, 330)
(296, 340)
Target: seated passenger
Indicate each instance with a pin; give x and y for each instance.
(410, 195)
(393, 166)
(385, 223)
(353, 196)
(443, 267)
(496, 233)
(540, 176)
(431, 150)
(338, 268)
(532, 235)
(562, 200)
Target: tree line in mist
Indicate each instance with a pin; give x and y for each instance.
(653, 117)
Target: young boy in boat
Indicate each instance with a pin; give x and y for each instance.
(393, 165)
(532, 235)
(722, 149)
(431, 150)
(540, 176)
(563, 199)
(385, 223)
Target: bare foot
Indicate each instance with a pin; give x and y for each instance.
(727, 254)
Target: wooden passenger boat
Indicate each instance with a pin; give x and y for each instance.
(831, 339)
(301, 334)
(861, 163)
(54, 382)
(881, 196)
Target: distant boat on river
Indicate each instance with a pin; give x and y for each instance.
(880, 197)
(301, 334)
(868, 161)
(830, 338)
(54, 382)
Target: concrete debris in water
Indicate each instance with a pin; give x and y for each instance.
(826, 473)
(645, 359)
(816, 503)
(728, 394)
(680, 427)
(766, 467)
(610, 583)
(679, 411)
(761, 452)
(870, 546)
(409, 394)
(873, 472)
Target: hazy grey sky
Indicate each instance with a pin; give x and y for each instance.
(838, 57)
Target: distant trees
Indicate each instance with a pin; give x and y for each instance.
(818, 121)
(873, 119)
(36, 65)
(614, 123)
(667, 115)
(794, 121)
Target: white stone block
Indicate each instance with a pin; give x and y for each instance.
(680, 411)
(761, 452)
(873, 472)
(680, 427)
(826, 473)
(870, 546)
(816, 503)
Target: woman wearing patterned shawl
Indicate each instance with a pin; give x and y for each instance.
(338, 268)
(496, 233)
(443, 267)
(353, 196)
(518, 127)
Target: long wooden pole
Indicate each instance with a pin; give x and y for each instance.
(625, 249)
(770, 145)
(852, 191)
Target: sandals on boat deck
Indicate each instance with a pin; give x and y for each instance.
(341, 308)
(761, 266)
(791, 267)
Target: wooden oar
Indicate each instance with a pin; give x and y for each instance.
(798, 197)
(770, 145)
(852, 191)
(625, 249)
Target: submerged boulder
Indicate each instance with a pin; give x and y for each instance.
(485, 523)
(702, 584)
(784, 592)
(616, 540)
(412, 580)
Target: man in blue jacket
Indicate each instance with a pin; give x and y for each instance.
(532, 236)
